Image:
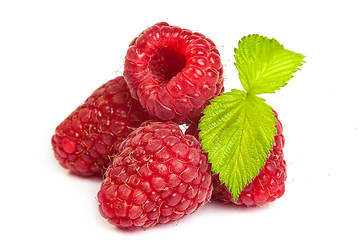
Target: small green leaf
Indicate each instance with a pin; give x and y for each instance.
(237, 130)
(264, 64)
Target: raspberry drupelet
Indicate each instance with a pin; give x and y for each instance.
(267, 186)
(87, 139)
(159, 175)
(173, 71)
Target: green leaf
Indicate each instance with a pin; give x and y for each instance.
(264, 64)
(237, 130)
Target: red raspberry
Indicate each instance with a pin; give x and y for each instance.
(159, 175)
(87, 139)
(267, 186)
(173, 71)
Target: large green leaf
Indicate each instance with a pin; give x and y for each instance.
(237, 130)
(264, 64)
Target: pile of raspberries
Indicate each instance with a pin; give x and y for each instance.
(128, 132)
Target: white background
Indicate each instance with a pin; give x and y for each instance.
(53, 54)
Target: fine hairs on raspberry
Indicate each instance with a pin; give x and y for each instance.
(173, 72)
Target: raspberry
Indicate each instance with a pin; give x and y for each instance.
(173, 71)
(87, 139)
(267, 186)
(160, 175)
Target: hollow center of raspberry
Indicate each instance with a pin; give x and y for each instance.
(165, 64)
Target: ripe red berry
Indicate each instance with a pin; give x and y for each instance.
(159, 175)
(267, 186)
(173, 71)
(87, 139)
